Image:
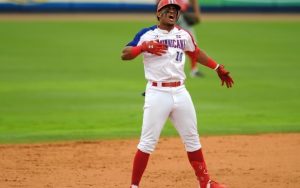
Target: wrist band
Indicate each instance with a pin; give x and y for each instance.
(136, 50)
(218, 65)
(212, 64)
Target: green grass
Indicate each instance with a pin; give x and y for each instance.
(65, 80)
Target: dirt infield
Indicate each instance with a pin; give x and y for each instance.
(240, 161)
(144, 17)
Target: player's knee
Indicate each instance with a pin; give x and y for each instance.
(147, 146)
(192, 143)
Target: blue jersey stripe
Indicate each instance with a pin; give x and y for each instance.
(139, 35)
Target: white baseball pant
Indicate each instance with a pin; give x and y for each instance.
(168, 102)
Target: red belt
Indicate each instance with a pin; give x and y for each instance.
(167, 84)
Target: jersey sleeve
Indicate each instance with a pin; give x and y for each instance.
(137, 39)
(190, 44)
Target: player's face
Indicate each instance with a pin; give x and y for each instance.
(168, 15)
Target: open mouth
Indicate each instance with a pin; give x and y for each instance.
(171, 17)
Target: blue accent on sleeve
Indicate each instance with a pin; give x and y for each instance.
(139, 35)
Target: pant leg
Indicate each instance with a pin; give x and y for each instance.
(183, 117)
(157, 108)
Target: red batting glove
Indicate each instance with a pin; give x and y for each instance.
(224, 76)
(154, 47)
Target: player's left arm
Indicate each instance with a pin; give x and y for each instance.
(201, 57)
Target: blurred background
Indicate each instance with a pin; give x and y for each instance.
(145, 5)
(61, 76)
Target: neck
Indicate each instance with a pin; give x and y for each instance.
(166, 27)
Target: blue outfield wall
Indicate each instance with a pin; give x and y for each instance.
(77, 7)
(136, 6)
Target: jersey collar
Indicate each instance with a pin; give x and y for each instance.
(165, 31)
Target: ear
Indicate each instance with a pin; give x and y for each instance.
(178, 14)
(158, 15)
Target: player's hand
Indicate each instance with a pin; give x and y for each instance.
(224, 76)
(154, 47)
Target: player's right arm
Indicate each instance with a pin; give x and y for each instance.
(128, 53)
(153, 47)
(139, 45)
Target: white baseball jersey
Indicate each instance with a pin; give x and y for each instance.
(170, 66)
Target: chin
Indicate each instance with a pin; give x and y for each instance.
(170, 24)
